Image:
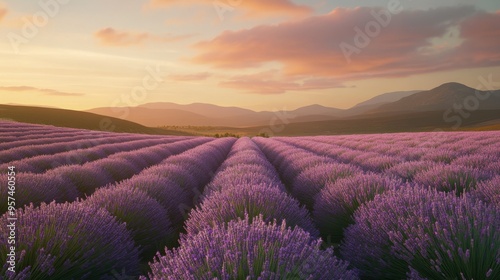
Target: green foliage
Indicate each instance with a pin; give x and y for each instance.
(227, 134)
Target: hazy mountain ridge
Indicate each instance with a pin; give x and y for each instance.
(445, 97)
(442, 98)
(386, 98)
(420, 111)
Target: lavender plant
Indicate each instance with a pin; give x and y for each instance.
(450, 178)
(422, 231)
(167, 192)
(38, 188)
(145, 218)
(488, 191)
(252, 201)
(312, 180)
(68, 241)
(245, 250)
(337, 202)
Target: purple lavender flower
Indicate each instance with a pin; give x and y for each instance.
(450, 178)
(433, 233)
(488, 191)
(37, 188)
(474, 160)
(376, 162)
(293, 168)
(117, 168)
(336, 203)
(247, 157)
(228, 179)
(253, 200)
(440, 155)
(168, 193)
(69, 241)
(86, 178)
(183, 176)
(312, 180)
(407, 170)
(145, 218)
(245, 250)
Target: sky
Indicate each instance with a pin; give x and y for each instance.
(256, 54)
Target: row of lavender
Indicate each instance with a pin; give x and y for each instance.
(113, 232)
(71, 181)
(452, 161)
(240, 229)
(477, 150)
(13, 133)
(443, 221)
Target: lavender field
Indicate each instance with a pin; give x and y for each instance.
(97, 205)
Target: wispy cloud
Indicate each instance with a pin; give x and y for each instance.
(250, 8)
(272, 82)
(407, 46)
(48, 92)
(112, 37)
(190, 77)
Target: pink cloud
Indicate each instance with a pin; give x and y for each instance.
(250, 8)
(311, 47)
(482, 39)
(111, 37)
(45, 91)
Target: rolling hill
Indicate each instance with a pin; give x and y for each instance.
(76, 119)
(444, 97)
(404, 122)
(376, 102)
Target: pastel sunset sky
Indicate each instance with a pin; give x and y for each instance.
(257, 54)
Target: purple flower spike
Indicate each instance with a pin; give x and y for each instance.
(245, 250)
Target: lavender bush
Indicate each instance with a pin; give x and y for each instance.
(38, 188)
(312, 180)
(336, 203)
(183, 176)
(168, 193)
(252, 201)
(145, 218)
(85, 178)
(69, 241)
(422, 231)
(247, 250)
(407, 170)
(488, 191)
(450, 178)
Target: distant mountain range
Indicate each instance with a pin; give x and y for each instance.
(440, 108)
(441, 98)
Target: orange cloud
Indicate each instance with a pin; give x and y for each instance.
(311, 47)
(111, 37)
(3, 12)
(48, 92)
(251, 8)
(190, 77)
